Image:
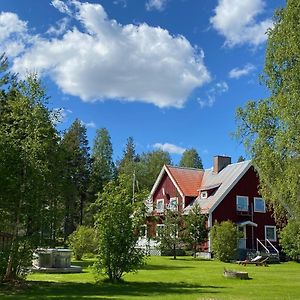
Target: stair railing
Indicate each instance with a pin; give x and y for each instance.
(259, 242)
(276, 250)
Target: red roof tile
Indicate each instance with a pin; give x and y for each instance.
(188, 179)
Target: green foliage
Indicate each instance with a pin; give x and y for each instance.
(28, 157)
(241, 158)
(22, 253)
(290, 239)
(117, 224)
(76, 174)
(127, 164)
(224, 240)
(103, 168)
(195, 232)
(191, 159)
(170, 237)
(149, 166)
(270, 127)
(82, 241)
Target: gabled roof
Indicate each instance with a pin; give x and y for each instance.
(186, 180)
(226, 179)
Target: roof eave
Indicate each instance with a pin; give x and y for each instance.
(215, 205)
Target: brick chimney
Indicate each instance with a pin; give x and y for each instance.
(220, 162)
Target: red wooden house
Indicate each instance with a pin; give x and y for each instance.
(225, 192)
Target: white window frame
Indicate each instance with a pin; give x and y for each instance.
(158, 226)
(163, 205)
(173, 207)
(259, 211)
(237, 207)
(275, 235)
(203, 195)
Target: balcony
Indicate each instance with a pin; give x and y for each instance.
(245, 213)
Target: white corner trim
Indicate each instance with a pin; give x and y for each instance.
(230, 188)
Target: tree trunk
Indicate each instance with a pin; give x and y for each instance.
(9, 268)
(174, 251)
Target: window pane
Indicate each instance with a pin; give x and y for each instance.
(242, 203)
(259, 205)
(270, 233)
(160, 205)
(173, 204)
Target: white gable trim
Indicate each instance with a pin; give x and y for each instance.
(159, 178)
(174, 182)
(157, 182)
(231, 186)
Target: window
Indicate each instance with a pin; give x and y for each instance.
(173, 204)
(270, 233)
(159, 229)
(259, 205)
(242, 203)
(160, 205)
(203, 195)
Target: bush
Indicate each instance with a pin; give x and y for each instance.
(290, 239)
(225, 240)
(22, 259)
(82, 241)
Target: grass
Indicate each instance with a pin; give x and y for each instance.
(165, 278)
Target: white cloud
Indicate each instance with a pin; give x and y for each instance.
(60, 27)
(218, 89)
(13, 33)
(171, 148)
(120, 2)
(89, 124)
(236, 73)
(159, 5)
(107, 60)
(236, 21)
(61, 6)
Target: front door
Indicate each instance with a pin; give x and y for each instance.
(243, 237)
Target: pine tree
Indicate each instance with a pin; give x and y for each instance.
(103, 168)
(77, 172)
(127, 164)
(191, 159)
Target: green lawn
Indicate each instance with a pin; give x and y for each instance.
(164, 278)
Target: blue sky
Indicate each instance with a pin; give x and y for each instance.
(169, 73)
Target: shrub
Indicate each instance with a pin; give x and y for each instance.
(82, 241)
(290, 239)
(225, 240)
(22, 259)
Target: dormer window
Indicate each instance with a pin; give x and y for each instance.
(160, 205)
(203, 195)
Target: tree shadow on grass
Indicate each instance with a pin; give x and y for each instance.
(71, 290)
(83, 263)
(164, 267)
